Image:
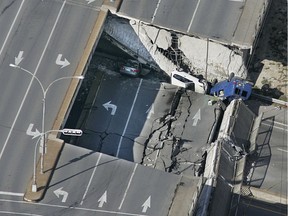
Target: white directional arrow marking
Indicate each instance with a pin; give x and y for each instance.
(35, 133)
(60, 62)
(61, 192)
(146, 204)
(196, 118)
(19, 58)
(112, 106)
(102, 200)
(90, 1)
(150, 111)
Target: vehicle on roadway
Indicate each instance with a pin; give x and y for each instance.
(232, 88)
(130, 67)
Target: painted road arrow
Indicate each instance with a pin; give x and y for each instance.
(19, 58)
(196, 118)
(63, 63)
(102, 200)
(112, 106)
(59, 192)
(35, 133)
(146, 204)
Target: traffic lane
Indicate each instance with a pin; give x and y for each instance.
(113, 94)
(20, 146)
(135, 9)
(12, 86)
(33, 34)
(177, 10)
(16, 169)
(20, 207)
(221, 22)
(125, 185)
(11, 12)
(275, 176)
(28, 112)
(151, 192)
(85, 176)
(112, 177)
(194, 120)
(268, 167)
(154, 106)
(248, 206)
(25, 38)
(111, 124)
(129, 147)
(72, 175)
(67, 43)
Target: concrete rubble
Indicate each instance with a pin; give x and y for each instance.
(170, 50)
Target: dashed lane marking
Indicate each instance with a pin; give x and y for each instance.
(72, 208)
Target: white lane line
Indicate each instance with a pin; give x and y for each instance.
(19, 213)
(11, 193)
(128, 186)
(284, 128)
(279, 149)
(30, 84)
(156, 9)
(190, 24)
(90, 180)
(129, 116)
(72, 207)
(13, 23)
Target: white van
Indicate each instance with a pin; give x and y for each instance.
(185, 80)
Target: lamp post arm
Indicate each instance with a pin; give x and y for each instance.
(27, 71)
(61, 78)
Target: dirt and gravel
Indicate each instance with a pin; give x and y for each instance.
(269, 63)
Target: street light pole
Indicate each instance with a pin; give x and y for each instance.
(44, 91)
(68, 132)
(34, 185)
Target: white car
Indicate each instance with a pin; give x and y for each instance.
(185, 80)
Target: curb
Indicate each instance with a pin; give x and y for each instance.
(54, 148)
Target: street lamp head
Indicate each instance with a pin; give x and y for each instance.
(13, 65)
(80, 77)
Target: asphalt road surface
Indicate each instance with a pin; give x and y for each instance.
(122, 113)
(219, 19)
(269, 165)
(91, 183)
(38, 36)
(250, 207)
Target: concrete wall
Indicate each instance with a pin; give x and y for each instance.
(169, 50)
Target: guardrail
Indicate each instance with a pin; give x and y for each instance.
(269, 99)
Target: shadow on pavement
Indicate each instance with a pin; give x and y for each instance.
(257, 164)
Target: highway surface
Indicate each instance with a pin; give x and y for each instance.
(45, 38)
(122, 115)
(228, 21)
(250, 207)
(90, 183)
(269, 164)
